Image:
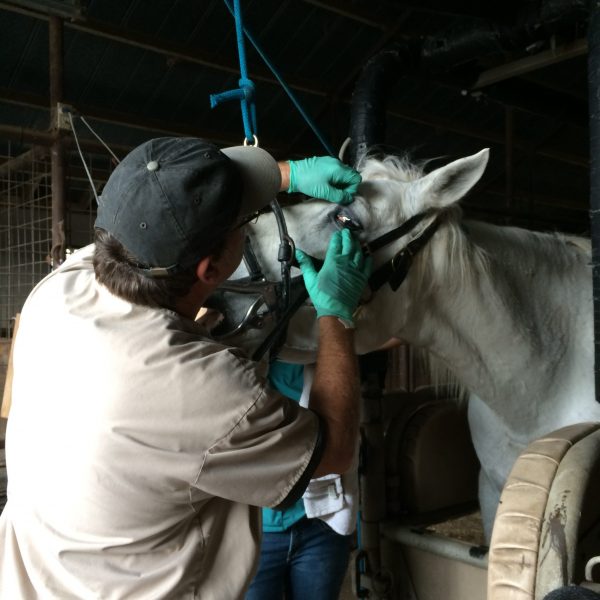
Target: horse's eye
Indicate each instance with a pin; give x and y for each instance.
(346, 222)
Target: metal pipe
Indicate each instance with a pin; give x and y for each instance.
(372, 465)
(435, 544)
(594, 118)
(509, 126)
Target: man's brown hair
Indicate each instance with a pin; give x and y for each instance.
(117, 269)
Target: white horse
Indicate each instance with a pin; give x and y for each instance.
(508, 311)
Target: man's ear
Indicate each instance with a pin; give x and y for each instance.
(207, 270)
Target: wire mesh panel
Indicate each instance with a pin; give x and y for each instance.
(25, 229)
(26, 219)
(81, 205)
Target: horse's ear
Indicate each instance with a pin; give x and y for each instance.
(450, 183)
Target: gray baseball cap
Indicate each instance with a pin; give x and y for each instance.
(171, 200)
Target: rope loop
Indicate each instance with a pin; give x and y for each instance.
(249, 114)
(246, 91)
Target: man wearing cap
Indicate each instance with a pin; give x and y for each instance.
(138, 449)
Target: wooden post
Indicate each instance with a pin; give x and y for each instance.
(7, 395)
(57, 154)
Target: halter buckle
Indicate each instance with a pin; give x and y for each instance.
(402, 260)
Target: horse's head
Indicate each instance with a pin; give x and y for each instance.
(391, 193)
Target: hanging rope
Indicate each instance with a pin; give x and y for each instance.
(245, 93)
(233, 9)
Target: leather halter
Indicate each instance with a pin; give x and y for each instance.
(259, 293)
(283, 298)
(395, 270)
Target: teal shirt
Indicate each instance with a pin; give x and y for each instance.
(287, 379)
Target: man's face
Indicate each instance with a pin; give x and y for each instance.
(233, 251)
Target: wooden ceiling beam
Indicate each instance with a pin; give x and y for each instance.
(172, 51)
(127, 120)
(451, 126)
(280, 147)
(344, 9)
(532, 63)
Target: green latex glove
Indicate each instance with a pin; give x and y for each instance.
(324, 177)
(336, 289)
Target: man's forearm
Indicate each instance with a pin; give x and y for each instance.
(335, 394)
(284, 170)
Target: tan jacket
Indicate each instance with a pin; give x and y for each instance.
(137, 451)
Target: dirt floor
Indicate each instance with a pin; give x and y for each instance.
(467, 529)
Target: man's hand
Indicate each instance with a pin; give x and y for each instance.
(324, 177)
(336, 289)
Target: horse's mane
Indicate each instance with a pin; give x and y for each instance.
(455, 260)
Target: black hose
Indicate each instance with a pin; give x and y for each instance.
(378, 77)
(440, 56)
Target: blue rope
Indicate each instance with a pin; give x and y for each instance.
(245, 93)
(289, 92)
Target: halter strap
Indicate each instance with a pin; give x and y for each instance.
(396, 233)
(251, 262)
(285, 255)
(277, 335)
(290, 293)
(396, 269)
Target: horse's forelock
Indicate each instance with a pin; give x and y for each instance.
(397, 168)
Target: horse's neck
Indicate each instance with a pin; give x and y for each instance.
(520, 331)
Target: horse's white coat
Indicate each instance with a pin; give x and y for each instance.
(508, 311)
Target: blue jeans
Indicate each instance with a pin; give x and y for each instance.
(308, 561)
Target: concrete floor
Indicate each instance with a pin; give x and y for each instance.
(347, 592)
